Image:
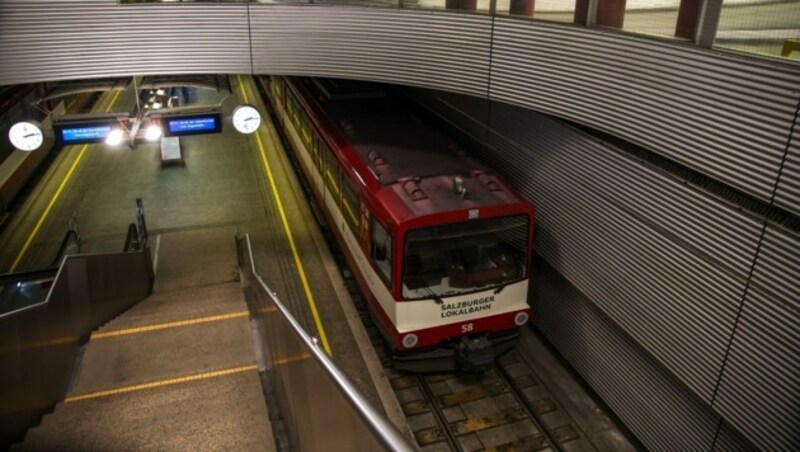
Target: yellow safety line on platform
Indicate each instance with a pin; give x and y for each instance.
(158, 384)
(293, 359)
(314, 313)
(55, 198)
(167, 325)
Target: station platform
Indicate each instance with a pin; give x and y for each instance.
(179, 370)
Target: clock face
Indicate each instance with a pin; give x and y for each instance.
(26, 136)
(246, 119)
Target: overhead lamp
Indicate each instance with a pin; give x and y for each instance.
(115, 137)
(153, 132)
(156, 105)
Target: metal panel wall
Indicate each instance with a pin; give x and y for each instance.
(725, 115)
(432, 49)
(650, 253)
(787, 194)
(760, 389)
(41, 41)
(729, 440)
(618, 369)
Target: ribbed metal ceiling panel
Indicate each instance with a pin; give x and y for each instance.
(42, 41)
(787, 194)
(760, 388)
(724, 115)
(662, 415)
(430, 49)
(649, 251)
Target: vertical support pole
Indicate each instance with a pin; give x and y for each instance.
(581, 12)
(688, 17)
(611, 13)
(603, 13)
(708, 23)
(521, 7)
(463, 5)
(586, 12)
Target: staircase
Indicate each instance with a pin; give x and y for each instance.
(177, 371)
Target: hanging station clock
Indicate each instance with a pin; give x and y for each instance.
(26, 135)
(246, 119)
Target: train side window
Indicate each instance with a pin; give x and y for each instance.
(382, 250)
(350, 205)
(305, 130)
(330, 171)
(291, 108)
(314, 150)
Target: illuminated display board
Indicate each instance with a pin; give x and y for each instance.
(82, 133)
(192, 125)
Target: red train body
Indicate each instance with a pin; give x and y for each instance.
(439, 245)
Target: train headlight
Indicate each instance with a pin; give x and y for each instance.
(521, 318)
(410, 340)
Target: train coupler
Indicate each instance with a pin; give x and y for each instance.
(475, 354)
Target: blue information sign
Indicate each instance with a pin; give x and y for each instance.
(191, 125)
(74, 134)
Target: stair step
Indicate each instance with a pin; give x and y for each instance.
(131, 359)
(216, 413)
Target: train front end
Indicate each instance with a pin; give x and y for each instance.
(463, 288)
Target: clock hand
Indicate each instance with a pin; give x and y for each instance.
(30, 135)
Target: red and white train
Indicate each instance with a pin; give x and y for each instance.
(439, 245)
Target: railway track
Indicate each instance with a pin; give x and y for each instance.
(505, 408)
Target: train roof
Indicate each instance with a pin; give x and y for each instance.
(411, 160)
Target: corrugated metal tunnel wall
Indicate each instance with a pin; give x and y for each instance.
(689, 302)
(680, 309)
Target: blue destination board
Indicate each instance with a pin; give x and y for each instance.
(73, 134)
(191, 125)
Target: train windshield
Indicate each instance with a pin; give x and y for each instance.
(457, 258)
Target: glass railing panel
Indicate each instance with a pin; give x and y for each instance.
(552, 10)
(764, 27)
(383, 3)
(651, 17)
(324, 411)
(479, 6)
(24, 290)
(40, 338)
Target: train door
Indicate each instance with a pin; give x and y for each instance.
(364, 230)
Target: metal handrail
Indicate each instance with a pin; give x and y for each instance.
(131, 239)
(71, 234)
(384, 431)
